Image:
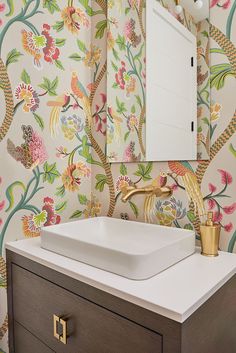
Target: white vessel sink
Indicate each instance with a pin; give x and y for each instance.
(130, 249)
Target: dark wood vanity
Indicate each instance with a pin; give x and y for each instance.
(52, 312)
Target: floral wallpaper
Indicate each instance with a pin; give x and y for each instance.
(53, 165)
(126, 84)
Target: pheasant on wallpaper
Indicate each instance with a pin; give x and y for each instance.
(185, 172)
(57, 105)
(80, 92)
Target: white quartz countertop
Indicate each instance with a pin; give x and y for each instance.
(175, 293)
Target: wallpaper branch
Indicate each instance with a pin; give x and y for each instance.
(54, 126)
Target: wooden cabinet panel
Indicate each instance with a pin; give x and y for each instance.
(25, 342)
(91, 328)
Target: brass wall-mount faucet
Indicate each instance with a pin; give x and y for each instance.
(129, 191)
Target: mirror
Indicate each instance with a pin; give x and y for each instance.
(158, 81)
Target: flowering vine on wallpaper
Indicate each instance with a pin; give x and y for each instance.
(61, 170)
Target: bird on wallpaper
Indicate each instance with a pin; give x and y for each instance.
(184, 170)
(57, 105)
(80, 92)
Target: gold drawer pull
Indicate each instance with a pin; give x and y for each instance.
(63, 337)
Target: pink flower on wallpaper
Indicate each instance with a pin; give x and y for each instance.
(174, 187)
(52, 217)
(211, 204)
(226, 177)
(37, 149)
(228, 227)
(217, 217)
(104, 98)
(225, 5)
(212, 188)
(230, 209)
(2, 205)
(2, 7)
(120, 76)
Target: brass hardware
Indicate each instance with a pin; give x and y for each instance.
(63, 337)
(56, 320)
(210, 237)
(128, 192)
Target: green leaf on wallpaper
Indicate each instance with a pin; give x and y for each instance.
(50, 172)
(126, 135)
(76, 214)
(120, 106)
(133, 110)
(115, 85)
(85, 152)
(60, 191)
(232, 243)
(82, 199)
(59, 65)
(40, 218)
(82, 46)
(51, 5)
(134, 208)
(138, 99)
(25, 77)
(101, 27)
(39, 120)
(101, 181)
(12, 57)
(88, 9)
(10, 193)
(60, 207)
(188, 226)
(205, 34)
(127, 10)
(60, 42)
(10, 4)
(144, 171)
(219, 73)
(121, 42)
(75, 57)
(232, 150)
(199, 129)
(50, 86)
(191, 216)
(58, 26)
(115, 54)
(123, 169)
(115, 67)
(206, 121)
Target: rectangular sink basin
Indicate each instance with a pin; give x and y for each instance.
(130, 249)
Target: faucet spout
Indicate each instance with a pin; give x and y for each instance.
(163, 192)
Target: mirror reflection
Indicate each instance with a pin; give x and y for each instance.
(158, 88)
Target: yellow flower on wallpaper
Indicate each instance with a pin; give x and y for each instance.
(93, 207)
(71, 178)
(110, 40)
(73, 19)
(92, 56)
(215, 111)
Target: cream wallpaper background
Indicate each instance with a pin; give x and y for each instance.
(53, 123)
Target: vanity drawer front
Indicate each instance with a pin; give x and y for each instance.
(25, 342)
(90, 328)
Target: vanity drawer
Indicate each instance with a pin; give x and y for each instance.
(90, 328)
(25, 342)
